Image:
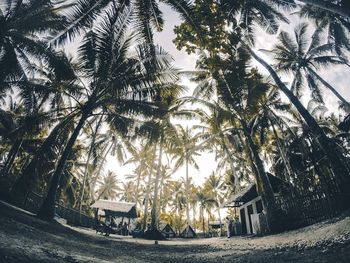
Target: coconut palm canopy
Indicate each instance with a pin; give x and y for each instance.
(113, 120)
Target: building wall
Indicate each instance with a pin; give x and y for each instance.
(245, 207)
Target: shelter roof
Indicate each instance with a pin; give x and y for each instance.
(250, 192)
(113, 208)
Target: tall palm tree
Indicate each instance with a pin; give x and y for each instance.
(331, 150)
(214, 186)
(120, 85)
(184, 153)
(204, 201)
(292, 55)
(163, 133)
(109, 187)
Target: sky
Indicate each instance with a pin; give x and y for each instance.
(338, 76)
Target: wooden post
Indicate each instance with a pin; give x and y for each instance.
(128, 227)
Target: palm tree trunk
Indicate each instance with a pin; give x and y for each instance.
(337, 162)
(87, 163)
(154, 216)
(137, 188)
(282, 153)
(47, 209)
(335, 92)
(187, 194)
(219, 214)
(237, 185)
(26, 182)
(148, 193)
(11, 157)
(263, 183)
(99, 171)
(194, 216)
(328, 6)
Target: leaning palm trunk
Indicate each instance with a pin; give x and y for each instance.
(329, 6)
(282, 152)
(263, 184)
(11, 157)
(336, 160)
(154, 216)
(93, 185)
(87, 164)
(26, 182)
(47, 210)
(326, 84)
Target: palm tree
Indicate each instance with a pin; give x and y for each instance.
(214, 185)
(263, 13)
(293, 55)
(204, 201)
(21, 24)
(147, 15)
(163, 133)
(337, 26)
(109, 187)
(215, 129)
(331, 150)
(119, 85)
(340, 8)
(184, 153)
(127, 191)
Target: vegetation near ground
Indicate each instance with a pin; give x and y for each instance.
(23, 238)
(86, 85)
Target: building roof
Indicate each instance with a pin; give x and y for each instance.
(187, 231)
(119, 209)
(165, 226)
(250, 192)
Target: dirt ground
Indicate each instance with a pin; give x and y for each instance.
(23, 238)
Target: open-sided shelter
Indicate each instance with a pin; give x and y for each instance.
(116, 209)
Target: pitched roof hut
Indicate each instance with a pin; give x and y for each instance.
(188, 232)
(116, 209)
(166, 230)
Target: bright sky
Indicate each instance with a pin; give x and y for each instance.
(207, 164)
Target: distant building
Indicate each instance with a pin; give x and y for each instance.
(188, 232)
(166, 230)
(250, 206)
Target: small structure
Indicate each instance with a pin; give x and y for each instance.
(112, 209)
(216, 227)
(166, 230)
(188, 232)
(116, 209)
(251, 207)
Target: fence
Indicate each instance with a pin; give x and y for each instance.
(308, 209)
(33, 202)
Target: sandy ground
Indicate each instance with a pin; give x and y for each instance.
(23, 238)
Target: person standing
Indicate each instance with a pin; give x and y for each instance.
(229, 226)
